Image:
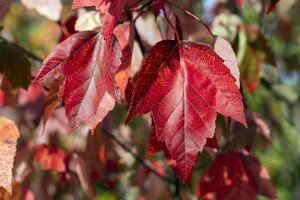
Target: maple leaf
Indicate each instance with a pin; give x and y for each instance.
(260, 176)
(14, 64)
(225, 51)
(125, 35)
(235, 176)
(155, 146)
(227, 178)
(157, 5)
(9, 134)
(53, 99)
(184, 85)
(111, 8)
(88, 92)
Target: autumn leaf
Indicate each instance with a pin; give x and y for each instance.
(235, 176)
(9, 134)
(111, 8)
(184, 85)
(260, 176)
(14, 64)
(225, 51)
(156, 7)
(82, 59)
(125, 35)
(155, 146)
(67, 27)
(227, 178)
(50, 158)
(53, 99)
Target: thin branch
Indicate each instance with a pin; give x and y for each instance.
(137, 35)
(138, 158)
(169, 22)
(192, 15)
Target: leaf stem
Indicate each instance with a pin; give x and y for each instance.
(193, 16)
(168, 20)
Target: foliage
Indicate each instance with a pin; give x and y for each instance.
(158, 103)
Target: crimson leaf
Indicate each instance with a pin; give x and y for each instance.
(227, 178)
(184, 85)
(89, 91)
(236, 176)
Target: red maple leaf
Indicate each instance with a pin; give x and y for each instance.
(227, 179)
(184, 85)
(235, 176)
(260, 176)
(82, 59)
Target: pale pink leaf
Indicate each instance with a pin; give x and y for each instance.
(223, 48)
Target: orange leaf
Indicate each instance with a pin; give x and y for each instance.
(9, 134)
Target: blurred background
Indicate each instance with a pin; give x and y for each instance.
(268, 51)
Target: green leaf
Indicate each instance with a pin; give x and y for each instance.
(15, 65)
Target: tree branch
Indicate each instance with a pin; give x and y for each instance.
(138, 158)
(137, 35)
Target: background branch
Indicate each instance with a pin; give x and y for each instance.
(138, 158)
